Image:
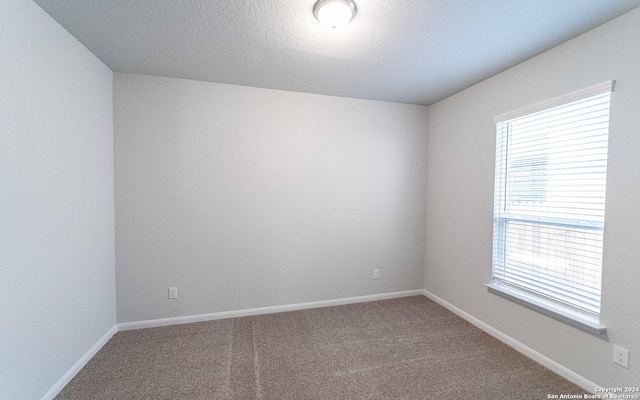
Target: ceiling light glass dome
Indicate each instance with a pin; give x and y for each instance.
(335, 14)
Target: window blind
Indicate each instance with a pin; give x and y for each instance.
(550, 181)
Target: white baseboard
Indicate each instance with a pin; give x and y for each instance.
(527, 351)
(263, 310)
(53, 392)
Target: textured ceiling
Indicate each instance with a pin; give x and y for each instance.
(409, 51)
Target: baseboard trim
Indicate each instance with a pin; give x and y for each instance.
(126, 326)
(527, 351)
(53, 392)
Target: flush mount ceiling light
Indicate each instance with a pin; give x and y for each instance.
(335, 14)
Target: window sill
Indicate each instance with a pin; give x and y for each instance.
(581, 321)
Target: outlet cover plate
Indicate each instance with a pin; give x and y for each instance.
(173, 292)
(621, 356)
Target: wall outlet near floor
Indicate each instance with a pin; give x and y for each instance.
(376, 273)
(173, 292)
(621, 356)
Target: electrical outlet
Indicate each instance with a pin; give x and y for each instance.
(621, 356)
(376, 273)
(173, 292)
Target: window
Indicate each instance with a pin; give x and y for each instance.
(550, 180)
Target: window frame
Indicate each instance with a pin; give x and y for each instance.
(587, 321)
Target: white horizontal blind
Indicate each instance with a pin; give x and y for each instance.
(551, 168)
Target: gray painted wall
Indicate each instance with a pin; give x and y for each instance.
(461, 150)
(244, 197)
(56, 201)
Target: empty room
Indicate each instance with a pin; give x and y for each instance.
(319, 199)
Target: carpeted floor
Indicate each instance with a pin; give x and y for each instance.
(408, 348)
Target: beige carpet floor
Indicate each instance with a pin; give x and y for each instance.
(408, 348)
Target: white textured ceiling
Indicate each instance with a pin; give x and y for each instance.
(409, 51)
